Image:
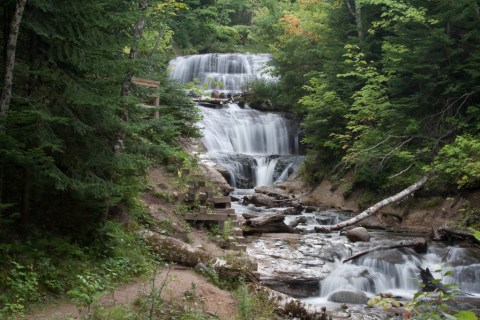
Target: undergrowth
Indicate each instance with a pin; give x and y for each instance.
(36, 267)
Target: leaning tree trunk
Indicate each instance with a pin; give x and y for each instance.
(10, 58)
(385, 202)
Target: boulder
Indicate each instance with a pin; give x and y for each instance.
(358, 234)
(268, 223)
(352, 297)
(260, 200)
(294, 287)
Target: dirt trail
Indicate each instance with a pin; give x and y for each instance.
(181, 286)
(181, 282)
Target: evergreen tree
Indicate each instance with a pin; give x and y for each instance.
(59, 168)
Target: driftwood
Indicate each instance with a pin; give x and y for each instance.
(430, 284)
(385, 202)
(418, 244)
(174, 250)
(269, 223)
(447, 233)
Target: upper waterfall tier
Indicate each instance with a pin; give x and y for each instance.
(230, 69)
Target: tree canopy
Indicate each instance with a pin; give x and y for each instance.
(387, 89)
(59, 167)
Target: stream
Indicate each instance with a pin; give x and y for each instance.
(255, 148)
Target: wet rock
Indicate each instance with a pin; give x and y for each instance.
(297, 288)
(269, 223)
(352, 297)
(358, 234)
(235, 199)
(273, 192)
(323, 220)
(309, 209)
(299, 220)
(294, 211)
(390, 256)
(260, 199)
(249, 215)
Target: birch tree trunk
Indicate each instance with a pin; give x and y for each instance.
(385, 202)
(359, 19)
(356, 12)
(10, 57)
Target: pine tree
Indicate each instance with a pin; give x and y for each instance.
(59, 167)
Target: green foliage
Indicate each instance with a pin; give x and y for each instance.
(460, 161)
(88, 289)
(212, 26)
(476, 233)
(67, 120)
(253, 305)
(265, 90)
(435, 305)
(245, 303)
(470, 216)
(23, 282)
(47, 264)
(386, 92)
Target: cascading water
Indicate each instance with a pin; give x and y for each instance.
(255, 148)
(320, 257)
(232, 70)
(258, 148)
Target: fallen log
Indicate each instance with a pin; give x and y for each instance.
(418, 244)
(174, 250)
(269, 223)
(446, 233)
(385, 202)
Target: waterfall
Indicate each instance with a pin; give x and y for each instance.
(232, 70)
(255, 148)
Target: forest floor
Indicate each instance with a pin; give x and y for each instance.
(179, 285)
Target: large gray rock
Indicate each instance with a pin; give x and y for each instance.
(260, 200)
(344, 296)
(358, 234)
(297, 288)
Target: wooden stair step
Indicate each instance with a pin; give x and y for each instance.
(237, 232)
(240, 247)
(241, 240)
(222, 199)
(228, 211)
